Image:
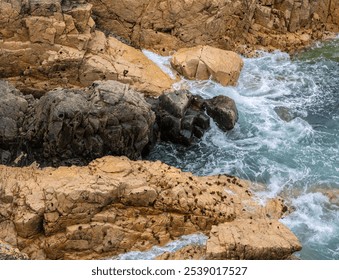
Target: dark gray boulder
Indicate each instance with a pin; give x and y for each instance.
(107, 118)
(223, 111)
(14, 108)
(73, 126)
(176, 103)
(182, 119)
(179, 119)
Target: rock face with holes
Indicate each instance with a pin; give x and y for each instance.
(52, 43)
(69, 126)
(238, 25)
(7, 252)
(203, 62)
(115, 205)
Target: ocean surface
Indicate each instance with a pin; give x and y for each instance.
(287, 137)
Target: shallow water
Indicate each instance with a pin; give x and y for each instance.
(296, 154)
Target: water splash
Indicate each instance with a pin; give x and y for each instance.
(192, 239)
(287, 137)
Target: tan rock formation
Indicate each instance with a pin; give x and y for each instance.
(45, 45)
(242, 239)
(240, 25)
(203, 62)
(115, 205)
(251, 239)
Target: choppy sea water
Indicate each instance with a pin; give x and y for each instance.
(287, 137)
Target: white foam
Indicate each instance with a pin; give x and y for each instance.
(314, 216)
(196, 239)
(262, 147)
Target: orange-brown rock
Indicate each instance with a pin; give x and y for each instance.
(238, 25)
(46, 44)
(115, 205)
(190, 252)
(203, 62)
(242, 239)
(251, 239)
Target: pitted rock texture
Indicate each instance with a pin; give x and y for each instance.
(189, 252)
(69, 126)
(52, 43)
(7, 252)
(181, 117)
(115, 205)
(203, 62)
(251, 239)
(238, 25)
(242, 239)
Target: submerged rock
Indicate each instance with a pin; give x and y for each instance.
(284, 113)
(115, 205)
(203, 62)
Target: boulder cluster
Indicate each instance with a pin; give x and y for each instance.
(75, 126)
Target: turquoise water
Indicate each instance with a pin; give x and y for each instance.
(295, 155)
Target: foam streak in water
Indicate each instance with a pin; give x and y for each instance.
(197, 239)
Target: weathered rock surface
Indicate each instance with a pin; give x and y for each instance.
(181, 116)
(190, 252)
(251, 239)
(68, 126)
(7, 252)
(13, 107)
(75, 126)
(52, 43)
(223, 110)
(203, 62)
(238, 25)
(114, 205)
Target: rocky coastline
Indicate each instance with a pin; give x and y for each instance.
(80, 105)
